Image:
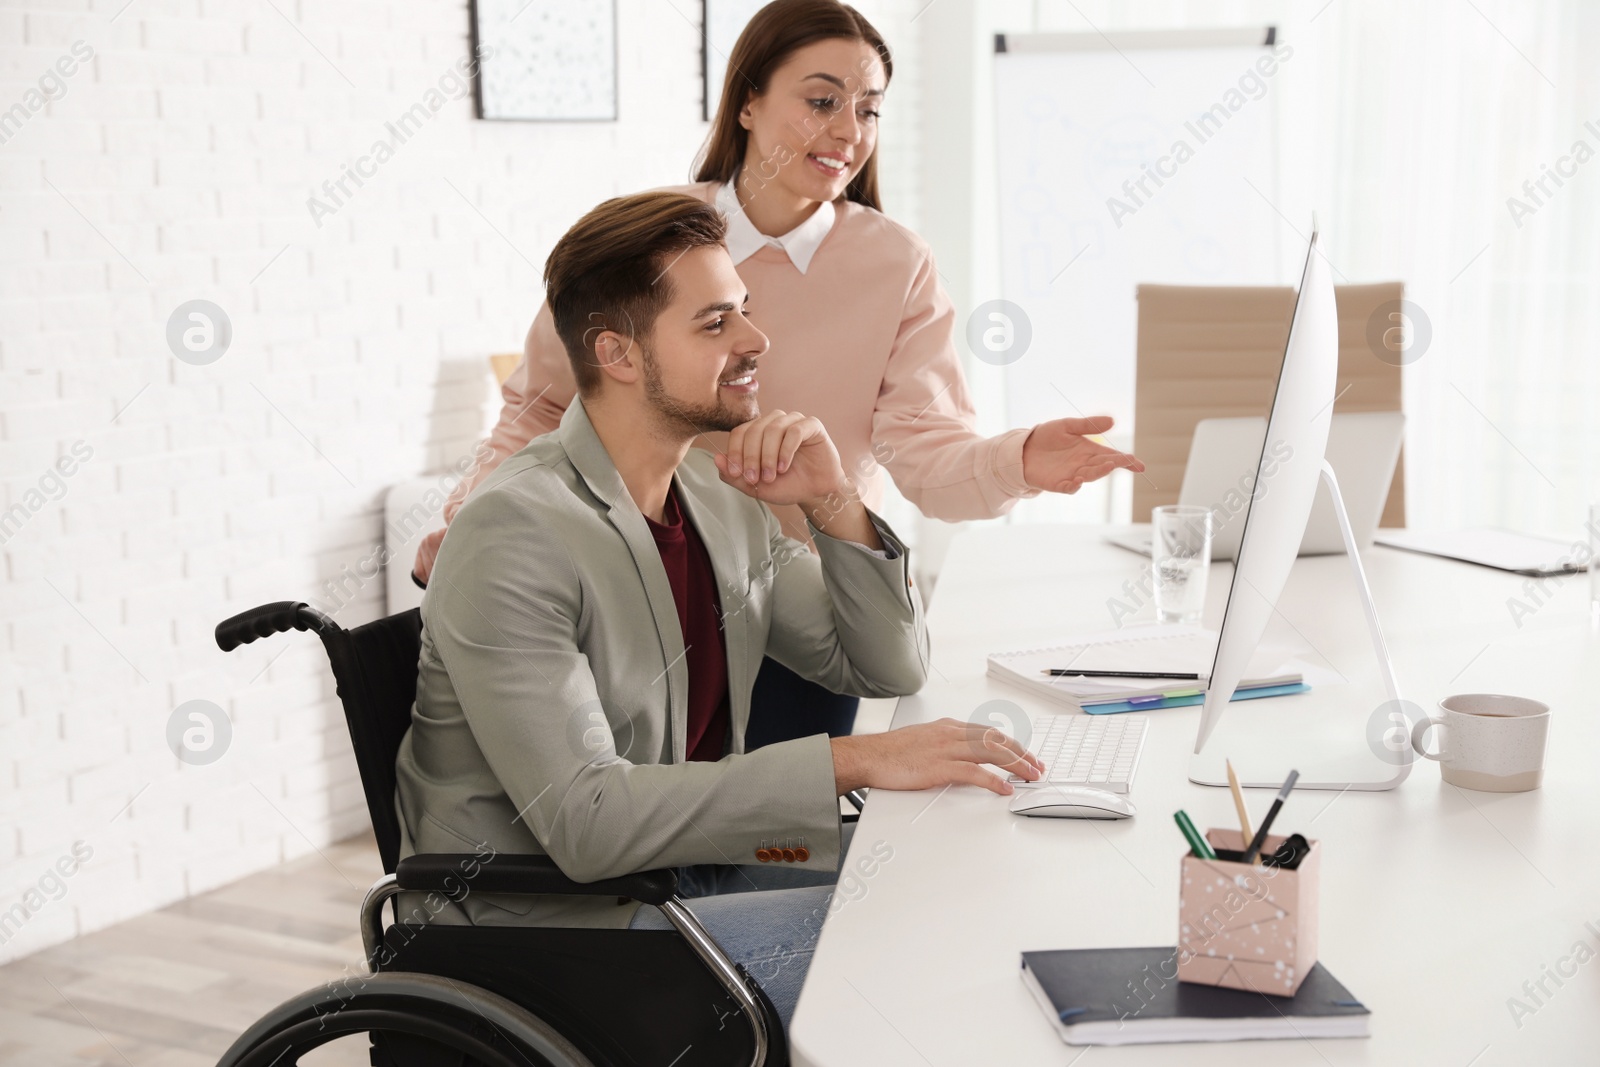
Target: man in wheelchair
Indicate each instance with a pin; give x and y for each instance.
(603, 601)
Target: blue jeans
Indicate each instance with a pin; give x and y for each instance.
(766, 917)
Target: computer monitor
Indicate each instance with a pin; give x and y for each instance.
(1277, 734)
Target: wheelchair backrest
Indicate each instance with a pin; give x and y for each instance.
(375, 668)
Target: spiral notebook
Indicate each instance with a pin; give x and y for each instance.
(1181, 649)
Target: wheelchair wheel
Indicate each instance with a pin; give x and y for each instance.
(415, 1020)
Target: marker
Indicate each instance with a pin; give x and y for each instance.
(1197, 844)
(1272, 813)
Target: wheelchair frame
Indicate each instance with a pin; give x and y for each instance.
(441, 1010)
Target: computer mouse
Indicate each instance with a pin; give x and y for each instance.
(1071, 802)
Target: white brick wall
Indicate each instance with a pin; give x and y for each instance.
(176, 166)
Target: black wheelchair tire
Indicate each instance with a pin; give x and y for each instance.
(486, 1029)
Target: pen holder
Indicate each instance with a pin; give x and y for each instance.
(1246, 926)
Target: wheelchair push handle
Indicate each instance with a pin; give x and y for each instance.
(266, 620)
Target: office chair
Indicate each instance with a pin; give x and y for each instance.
(1209, 352)
(496, 996)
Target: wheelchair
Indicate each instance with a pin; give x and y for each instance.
(503, 996)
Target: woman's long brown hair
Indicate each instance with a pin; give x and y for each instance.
(776, 32)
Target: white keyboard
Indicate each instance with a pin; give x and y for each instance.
(1095, 750)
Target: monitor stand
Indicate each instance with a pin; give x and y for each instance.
(1332, 735)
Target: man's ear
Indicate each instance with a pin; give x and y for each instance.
(618, 357)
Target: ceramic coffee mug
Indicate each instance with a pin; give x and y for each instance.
(1488, 741)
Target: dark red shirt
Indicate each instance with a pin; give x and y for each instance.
(694, 588)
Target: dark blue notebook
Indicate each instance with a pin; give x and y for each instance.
(1123, 996)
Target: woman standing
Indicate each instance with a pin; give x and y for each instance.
(862, 332)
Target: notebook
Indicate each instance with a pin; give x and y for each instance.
(1121, 996)
(1188, 649)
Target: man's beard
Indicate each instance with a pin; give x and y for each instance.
(695, 418)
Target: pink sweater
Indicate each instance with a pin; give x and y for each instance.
(863, 340)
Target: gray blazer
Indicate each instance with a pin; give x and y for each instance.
(552, 685)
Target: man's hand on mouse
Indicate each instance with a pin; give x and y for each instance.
(931, 754)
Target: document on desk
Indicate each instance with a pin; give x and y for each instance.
(1122, 996)
(1273, 670)
(1503, 550)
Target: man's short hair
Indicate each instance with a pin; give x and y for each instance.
(610, 271)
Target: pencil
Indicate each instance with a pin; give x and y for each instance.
(1238, 804)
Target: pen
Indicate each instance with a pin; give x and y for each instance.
(1272, 813)
(1067, 672)
(1197, 844)
(1238, 803)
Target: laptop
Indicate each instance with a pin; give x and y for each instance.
(1363, 448)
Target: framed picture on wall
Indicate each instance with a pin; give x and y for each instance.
(545, 60)
(722, 22)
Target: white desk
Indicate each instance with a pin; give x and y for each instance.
(1437, 904)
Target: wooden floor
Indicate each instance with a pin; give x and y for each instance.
(175, 987)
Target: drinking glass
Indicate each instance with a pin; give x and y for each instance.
(1180, 550)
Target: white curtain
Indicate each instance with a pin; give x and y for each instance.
(1458, 146)
(1410, 126)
